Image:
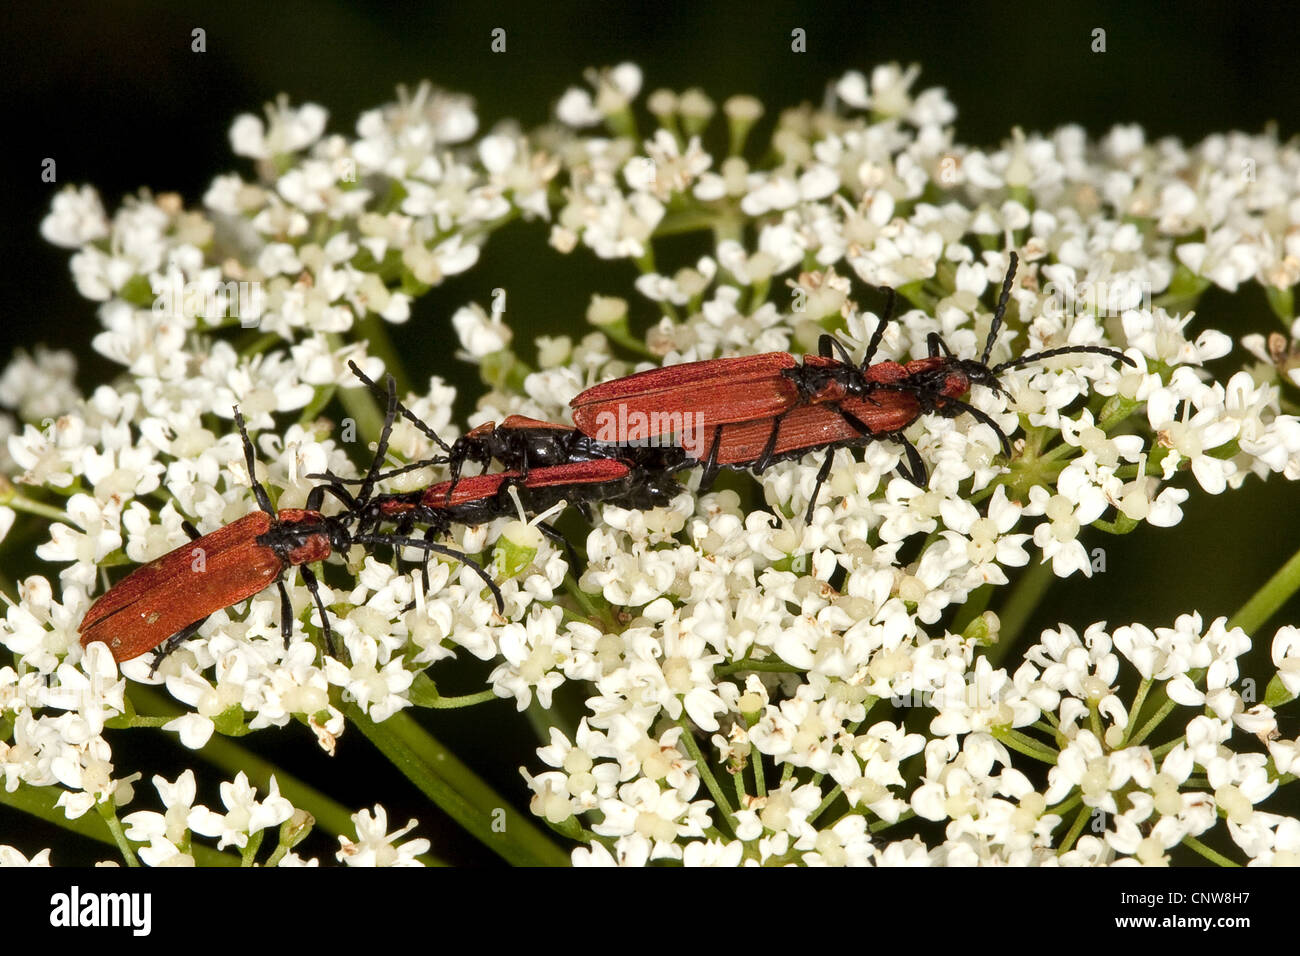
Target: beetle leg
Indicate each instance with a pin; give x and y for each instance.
(551, 532)
(822, 474)
(769, 449)
(381, 447)
(918, 474)
(173, 642)
(838, 346)
(313, 585)
(861, 427)
(710, 473)
(890, 298)
(343, 496)
(934, 342)
(429, 534)
(286, 613)
(959, 406)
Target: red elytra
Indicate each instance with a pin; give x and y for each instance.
(721, 393)
(810, 428)
(776, 408)
(521, 444)
(715, 391)
(805, 429)
(229, 565)
(515, 423)
(555, 463)
(165, 601)
(578, 474)
(482, 498)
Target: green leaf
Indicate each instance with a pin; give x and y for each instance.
(458, 791)
(1277, 694)
(511, 557)
(230, 722)
(137, 290)
(424, 692)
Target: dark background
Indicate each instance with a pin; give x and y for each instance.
(114, 95)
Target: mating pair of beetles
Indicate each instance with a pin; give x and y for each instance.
(632, 436)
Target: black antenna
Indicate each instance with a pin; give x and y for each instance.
(426, 545)
(1049, 353)
(263, 499)
(406, 412)
(1002, 307)
(381, 448)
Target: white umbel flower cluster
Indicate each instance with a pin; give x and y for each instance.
(754, 688)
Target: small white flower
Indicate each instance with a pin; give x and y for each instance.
(286, 130)
(245, 814)
(11, 856)
(480, 335)
(374, 846)
(380, 689)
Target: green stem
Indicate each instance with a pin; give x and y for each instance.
(1094, 721)
(1026, 745)
(1065, 806)
(332, 816)
(457, 790)
(108, 812)
(23, 503)
(593, 615)
(825, 805)
(224, 753)
(770, 664)
(543, 719)
(1075, 829)
(135, 720)
(1164, 710)
(976, 603)
(259, 344)
(738, 781)
(706, 773)
(248, 856)
(320, 399)
(1060, 451)
(40, 802)
(1266, 601)
(1168, 745)
(1138, 700)
(1213, 856)
(1025, 597)
(688, 220)
(760, 783)
(881, 825)
(465, 700)
(360, 405)
(1262, 605)
(622, 337)
(374, 332)
(729, 225)
(1122, 409)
